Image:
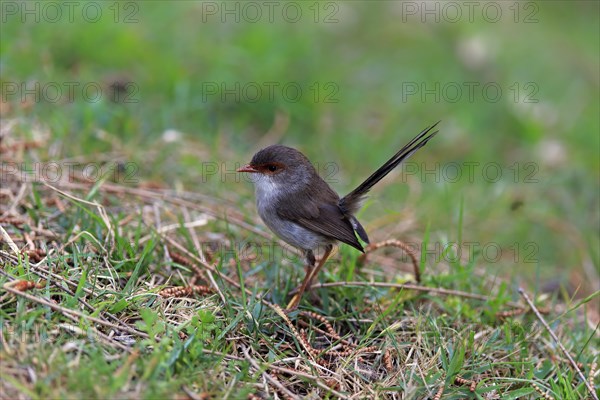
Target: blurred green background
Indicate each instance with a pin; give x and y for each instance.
(178, 87)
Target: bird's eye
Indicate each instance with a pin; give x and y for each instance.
(272, 168)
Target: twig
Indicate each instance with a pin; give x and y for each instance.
(408, 286)
(559, 343)
(401, 245)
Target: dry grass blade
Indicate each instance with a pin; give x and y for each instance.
(312, 378)
(9, 240)
(232, 215)
(69, 312)
(101, 211)
(268, 377)
(593, 368)
(559, 343)
(55, 280)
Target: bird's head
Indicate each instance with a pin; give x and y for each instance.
(279, 167)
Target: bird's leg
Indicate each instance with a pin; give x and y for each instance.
(297, 292)
(308, 267)
(311, 272)
(315, 271)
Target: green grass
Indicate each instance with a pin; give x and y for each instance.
(535, 225)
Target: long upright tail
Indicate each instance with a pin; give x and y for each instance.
(351, 202)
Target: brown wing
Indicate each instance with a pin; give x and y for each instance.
(325, 217)
(332, 223)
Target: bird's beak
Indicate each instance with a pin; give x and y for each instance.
(247, 168)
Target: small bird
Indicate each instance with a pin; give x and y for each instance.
(303, 210)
